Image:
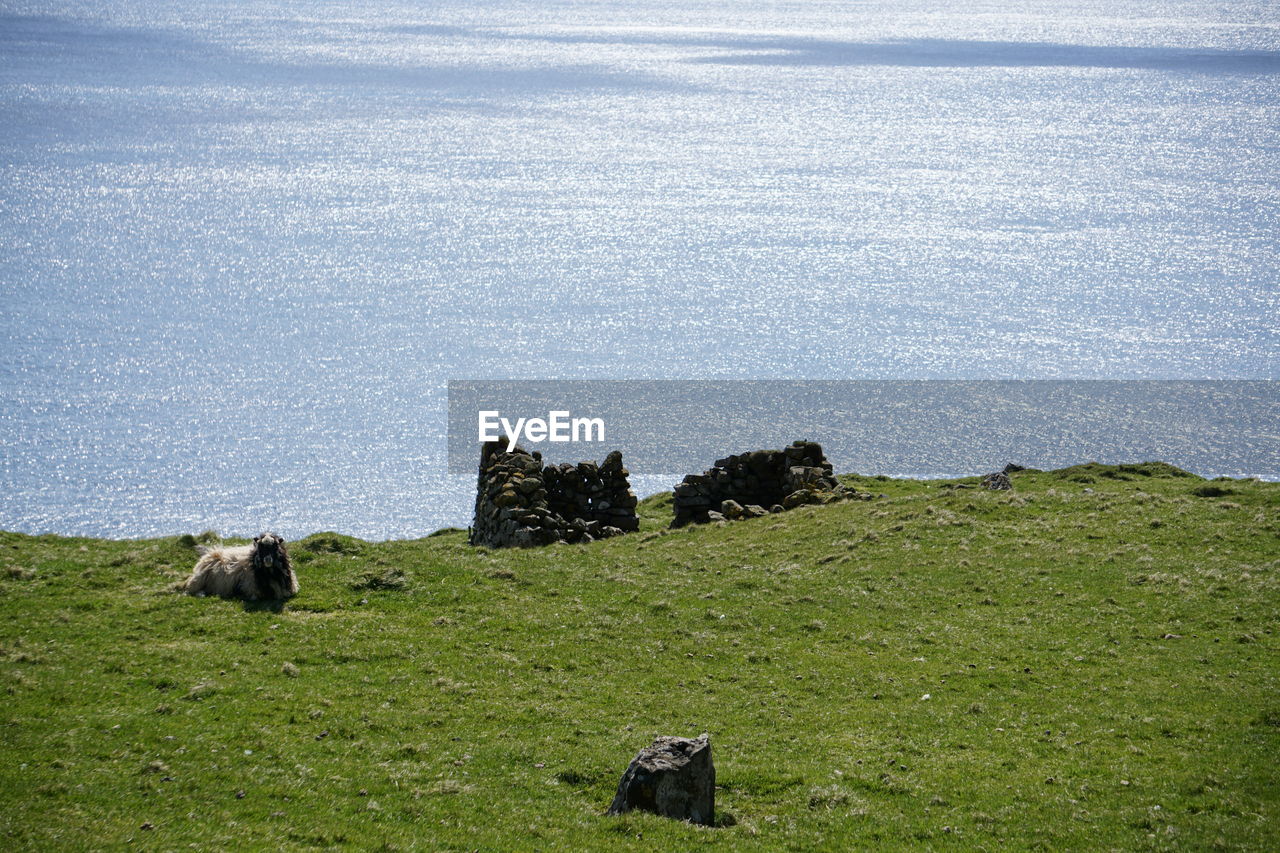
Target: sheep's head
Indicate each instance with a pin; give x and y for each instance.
(269, 553)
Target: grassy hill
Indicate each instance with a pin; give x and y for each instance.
(1087, 662)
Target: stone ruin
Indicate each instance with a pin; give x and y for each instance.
(754, 484)
(520, 502)
(999, 481)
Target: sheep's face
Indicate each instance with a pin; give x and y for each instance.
(269, 551)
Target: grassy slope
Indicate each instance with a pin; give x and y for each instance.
(1101, 671)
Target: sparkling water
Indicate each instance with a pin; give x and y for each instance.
(246, 244)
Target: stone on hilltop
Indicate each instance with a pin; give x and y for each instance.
(997, 482)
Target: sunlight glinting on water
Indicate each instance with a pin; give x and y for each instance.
(247, 244)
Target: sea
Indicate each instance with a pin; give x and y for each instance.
(244, 247)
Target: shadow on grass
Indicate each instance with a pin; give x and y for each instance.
(275, 605)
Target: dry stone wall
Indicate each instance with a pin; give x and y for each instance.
(522, 503)
(757, 483)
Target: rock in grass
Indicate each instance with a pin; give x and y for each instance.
(674, 777)
(799, 497)
(997, 482)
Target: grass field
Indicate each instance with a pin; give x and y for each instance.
(1088, 662)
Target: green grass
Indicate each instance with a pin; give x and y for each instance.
(1097, 649)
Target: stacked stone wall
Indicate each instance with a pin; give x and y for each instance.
(756, 483)
(520, 502)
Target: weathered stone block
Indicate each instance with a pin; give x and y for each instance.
(674, 777)
(997, 482)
